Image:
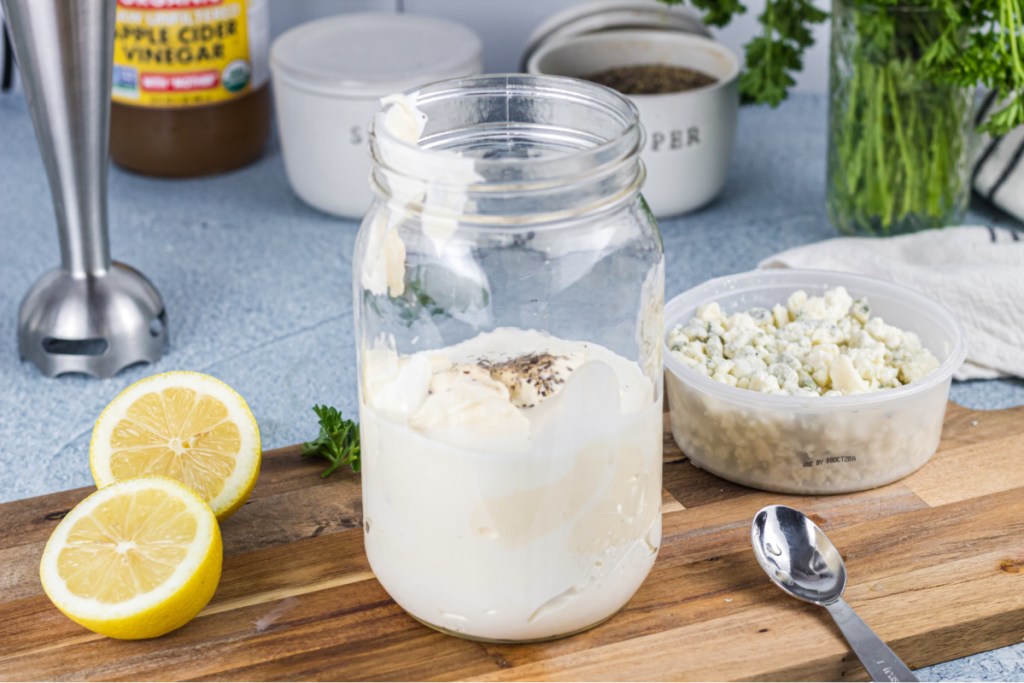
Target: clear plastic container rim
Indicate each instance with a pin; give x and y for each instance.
(683, 306)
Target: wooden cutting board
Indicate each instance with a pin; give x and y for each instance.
(936, 566)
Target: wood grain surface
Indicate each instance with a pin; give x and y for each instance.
(935, 562)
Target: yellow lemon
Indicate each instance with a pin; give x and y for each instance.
(183, 425)
(134, 560)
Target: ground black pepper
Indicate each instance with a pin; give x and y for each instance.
(651, 79)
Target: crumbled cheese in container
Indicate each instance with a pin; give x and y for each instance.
(812, 346)
(780, 434)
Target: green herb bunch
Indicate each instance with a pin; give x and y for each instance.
(898, 132)
(982, 42)
(979, 42)
(901, 87)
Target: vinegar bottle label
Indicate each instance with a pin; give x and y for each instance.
(185, 53)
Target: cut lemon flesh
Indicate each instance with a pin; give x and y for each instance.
(137, 559)
(184, 425)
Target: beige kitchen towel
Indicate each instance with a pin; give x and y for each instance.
(977, 272)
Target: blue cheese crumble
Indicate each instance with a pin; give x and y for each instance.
(811, 346)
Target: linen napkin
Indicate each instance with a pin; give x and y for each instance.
(977, 272)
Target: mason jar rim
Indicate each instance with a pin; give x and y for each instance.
(610, 157)
(627, 142)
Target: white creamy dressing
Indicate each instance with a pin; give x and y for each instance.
(510, 498)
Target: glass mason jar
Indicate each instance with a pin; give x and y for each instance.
(509, 287)
(898, 143)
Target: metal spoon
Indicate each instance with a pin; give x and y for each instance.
(799, 559)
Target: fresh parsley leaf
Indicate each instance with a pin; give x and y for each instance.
(338, 440)
(775, 55)
(984, 44)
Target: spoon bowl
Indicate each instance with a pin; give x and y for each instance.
(797, 556)
(800, 559)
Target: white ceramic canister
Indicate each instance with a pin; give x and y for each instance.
(689, 134)
(328, 78)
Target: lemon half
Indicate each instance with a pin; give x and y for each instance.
(183, 425)
(137, 559)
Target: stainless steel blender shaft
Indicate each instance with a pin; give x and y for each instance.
(91, 315)
(64, 52)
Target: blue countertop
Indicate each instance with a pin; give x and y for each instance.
(257, 288)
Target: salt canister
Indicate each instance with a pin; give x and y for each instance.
(329, 76)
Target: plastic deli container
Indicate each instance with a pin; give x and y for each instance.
(809, 444)
(329, 76)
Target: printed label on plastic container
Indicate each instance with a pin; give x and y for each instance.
(182, 53)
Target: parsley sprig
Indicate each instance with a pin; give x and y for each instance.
(776, 54)
(338, 440)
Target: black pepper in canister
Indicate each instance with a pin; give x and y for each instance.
(651, 79)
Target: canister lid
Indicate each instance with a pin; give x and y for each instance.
(375, 54)
(612, 15)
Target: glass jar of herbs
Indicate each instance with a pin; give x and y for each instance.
(898, 157)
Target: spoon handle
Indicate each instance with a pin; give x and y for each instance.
(879, 660)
